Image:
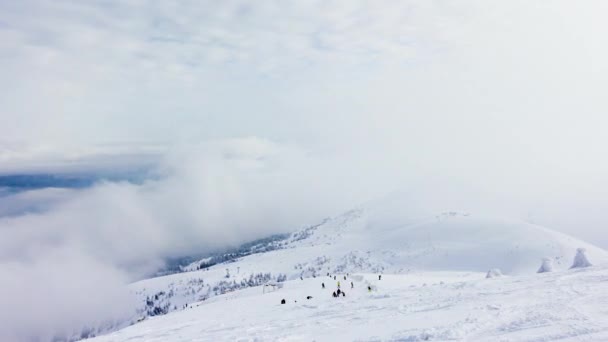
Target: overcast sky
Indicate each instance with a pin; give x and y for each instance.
(520, 76)
(506, 96)
(285, 112)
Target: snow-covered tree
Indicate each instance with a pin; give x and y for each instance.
(580, 260)
(546, 266)
(494, 273)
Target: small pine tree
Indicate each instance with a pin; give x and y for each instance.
(580, 260)
(494, 273)
(546, 266)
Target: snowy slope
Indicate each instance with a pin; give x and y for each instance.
(438, 306)
(372, 240)
(447, 241)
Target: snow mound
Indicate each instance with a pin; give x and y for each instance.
(580, 260)
(546, 266)
(494, 273)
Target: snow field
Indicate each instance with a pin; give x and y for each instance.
(437, 306)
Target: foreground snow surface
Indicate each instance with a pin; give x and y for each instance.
(435, 306)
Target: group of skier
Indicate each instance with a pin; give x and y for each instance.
(339, 291)
(352, 285)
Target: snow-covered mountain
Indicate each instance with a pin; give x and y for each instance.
(381, 238)
(428, 306)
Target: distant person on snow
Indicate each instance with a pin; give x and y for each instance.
(338, 284)
(352, 286)
(282, 301)
(334, 277)
(322, 285)
(379, 276)
(344, 277)
(369, 289)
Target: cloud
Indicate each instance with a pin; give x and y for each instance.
(71, 252)
(90, 66)
(114, 158)
(495, 106)
(205, 197)
(59, 294)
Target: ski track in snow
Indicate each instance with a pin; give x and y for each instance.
(564, 306)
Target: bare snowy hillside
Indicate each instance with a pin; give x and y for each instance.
(372, 240)
(435, 306)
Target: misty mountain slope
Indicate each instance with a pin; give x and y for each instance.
(448, 241)
(375, 239)
(434, 306)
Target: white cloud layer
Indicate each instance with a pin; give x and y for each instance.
(155, 71)
(69, 253)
